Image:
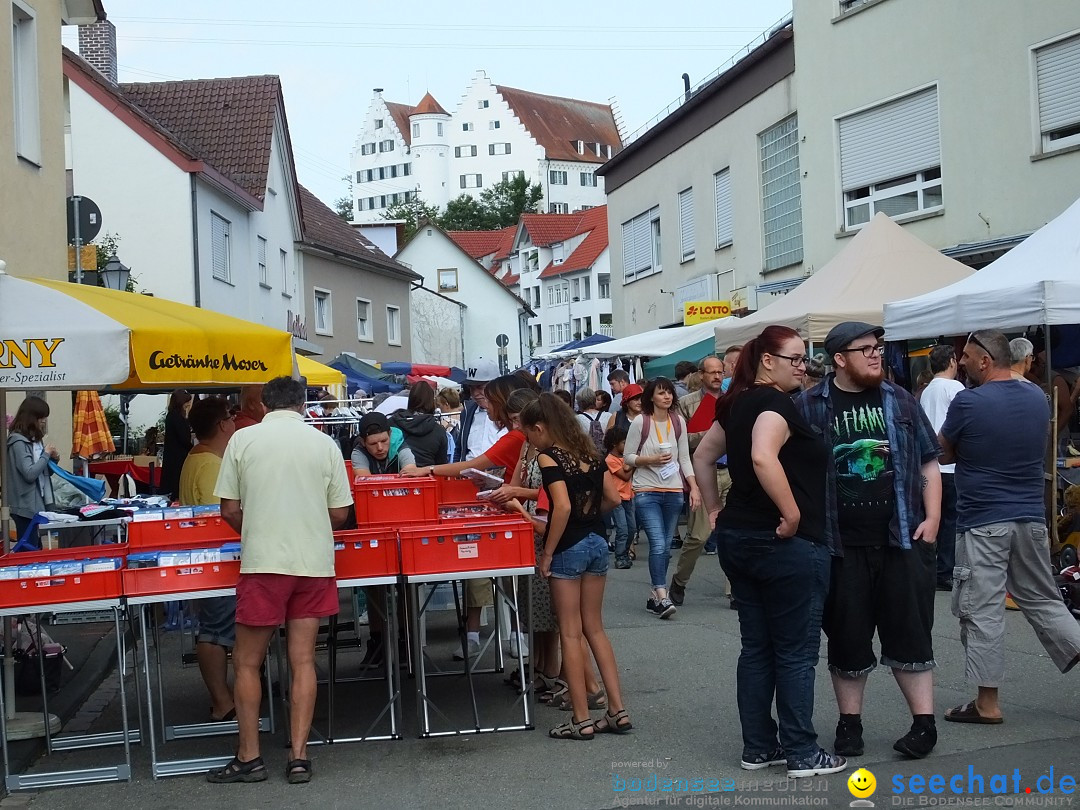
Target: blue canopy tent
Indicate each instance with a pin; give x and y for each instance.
(584, 343)
(354, 380)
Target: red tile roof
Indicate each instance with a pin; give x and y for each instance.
(228, 122)
(506, 243)
(429, 106)
(322, 228)
(594, 223)
(510, 280)
(547, 229)
(477, 243)
(400, 113)
(559, 123)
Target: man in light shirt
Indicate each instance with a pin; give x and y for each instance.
(935, 401)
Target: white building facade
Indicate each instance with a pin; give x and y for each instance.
(494, 134)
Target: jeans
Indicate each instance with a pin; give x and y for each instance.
(946, 536)
(658, 514)
(625, 527)
(779, 588)
(587, 556)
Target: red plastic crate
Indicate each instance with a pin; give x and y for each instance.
(63, 588)
(366, 553)
(449, 547)
(196, 532)
(181, 578)
(453, 491)
(388, 500)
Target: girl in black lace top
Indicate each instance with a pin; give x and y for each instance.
(576, 557)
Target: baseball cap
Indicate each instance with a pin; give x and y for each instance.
(373, 422)
(631, 391)
(843, 333)
(481, 370)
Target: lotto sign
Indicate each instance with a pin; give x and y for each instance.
(701, 311)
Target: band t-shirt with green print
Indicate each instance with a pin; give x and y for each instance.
(865, 498)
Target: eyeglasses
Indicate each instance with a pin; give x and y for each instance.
(796, 360)
(867, 351)
(972, 339)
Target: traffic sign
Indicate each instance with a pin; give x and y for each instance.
(88, 219)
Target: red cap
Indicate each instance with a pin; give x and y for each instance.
(631, 391)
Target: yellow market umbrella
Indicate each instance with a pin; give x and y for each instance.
(90, 429)
(318, 374)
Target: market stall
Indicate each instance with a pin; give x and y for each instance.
(883, 262)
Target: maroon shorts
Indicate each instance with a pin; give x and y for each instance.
(268, 600)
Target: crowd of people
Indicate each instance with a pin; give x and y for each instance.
(835, 501)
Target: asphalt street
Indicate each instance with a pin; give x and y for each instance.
(679, 683)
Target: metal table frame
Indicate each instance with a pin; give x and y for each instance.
(424, 703)
(181, 767)
(126, 735)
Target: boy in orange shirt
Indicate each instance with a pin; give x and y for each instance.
(622, 515)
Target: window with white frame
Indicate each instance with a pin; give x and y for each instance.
(406, 169)
(24, 63)
(367, 149)
(575, 289)
(586, 293)
(439, 128)
(386, 146)
(260, 257)
(781, 196)
(686, 224)
(220, 247)
(471, 180)
(890, 159)
(641, 245)
(493, 124)
(465, 151)
(467, 127)
(483, 104)
(851, 5)
(603, 286)
(498, 149)
(393, 325)
(324, 323)
(512, 175)
(1057, 72)
(363, 321)
(725, 228)
(558, 208)
(553, 332)
(378, 123)
(287, 281)
(557, 178)
(536, 297)
(416, 129)
(558, 253)
(448, 280)
(588, 179)
(539, 335)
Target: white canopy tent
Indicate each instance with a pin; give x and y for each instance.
(883, 262)
(654, 343)
(1037, 283)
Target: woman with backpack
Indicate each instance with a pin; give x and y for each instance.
(658, 450)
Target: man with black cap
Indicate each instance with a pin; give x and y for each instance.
(380, 449)
(882, 510)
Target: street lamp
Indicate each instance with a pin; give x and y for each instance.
(116, 275)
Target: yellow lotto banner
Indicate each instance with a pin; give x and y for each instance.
(702, 311)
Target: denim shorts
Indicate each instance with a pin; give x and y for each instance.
(588, 556)
(217, 621)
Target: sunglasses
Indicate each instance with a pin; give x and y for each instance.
(972, 339)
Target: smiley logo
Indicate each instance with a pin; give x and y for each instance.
(862, 784)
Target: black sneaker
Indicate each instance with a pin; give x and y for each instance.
(849, 741)
(676, 542)
(818, 764)
(677, 593)
(918, 742)
(662, 608)
(623, 561)
(759, 761)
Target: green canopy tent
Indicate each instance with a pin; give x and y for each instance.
(665, 366)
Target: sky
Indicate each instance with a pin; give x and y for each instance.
(330, 55)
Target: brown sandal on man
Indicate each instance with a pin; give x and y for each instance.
(969, 713)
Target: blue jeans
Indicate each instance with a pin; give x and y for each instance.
(625, 527)
(779, 588)
(658, 514)
(589, 555)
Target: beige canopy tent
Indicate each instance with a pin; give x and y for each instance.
(882, 263)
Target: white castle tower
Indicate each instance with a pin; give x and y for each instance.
(430, 129)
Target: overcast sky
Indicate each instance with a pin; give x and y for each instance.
(331, 54)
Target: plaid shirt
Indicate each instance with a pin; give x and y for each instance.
(912, 444)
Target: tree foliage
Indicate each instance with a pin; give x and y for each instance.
(506, 201)
(343, 208)
(412, 212)
(497, 207)
(464, 213)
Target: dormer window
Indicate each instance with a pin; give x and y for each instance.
(581, 147)
(599, 149)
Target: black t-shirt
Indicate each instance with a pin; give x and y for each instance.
(864, 472)
(586, 491)
(804, 457)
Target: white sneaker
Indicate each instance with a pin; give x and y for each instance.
(474, 650)
(513, 646)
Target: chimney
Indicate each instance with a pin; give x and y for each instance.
(97, 45)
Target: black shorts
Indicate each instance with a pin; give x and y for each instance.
(887, 589)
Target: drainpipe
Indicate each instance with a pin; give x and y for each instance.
(686, 87)
(195, 237)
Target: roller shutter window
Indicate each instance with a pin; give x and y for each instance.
(686, 223)
(219, 247)
(1057, 69)
(722, 192)
(638, 244)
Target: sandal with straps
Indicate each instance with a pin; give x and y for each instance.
(237, 771)
(613, 723)
(572, 730)
(597, 700)
(298, 771)
(555, 690)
